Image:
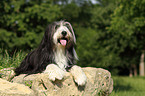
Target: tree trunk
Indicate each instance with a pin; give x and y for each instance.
(141, 65)
(134, 70)
(130, 72)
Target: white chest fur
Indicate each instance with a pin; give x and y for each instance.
(60, 58)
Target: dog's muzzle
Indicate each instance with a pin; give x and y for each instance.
(64, 39)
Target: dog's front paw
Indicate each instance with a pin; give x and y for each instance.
(81, 79)
(54, 72)
(79, 76)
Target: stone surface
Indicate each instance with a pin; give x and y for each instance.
(7, 73)
(99, 83)
(14, 89)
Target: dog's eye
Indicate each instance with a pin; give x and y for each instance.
(57, 26)
(68, 27)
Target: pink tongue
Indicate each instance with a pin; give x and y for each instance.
(63, 42)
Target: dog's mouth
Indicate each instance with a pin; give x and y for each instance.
(63, 41)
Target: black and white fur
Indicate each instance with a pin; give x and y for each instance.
(55, 55)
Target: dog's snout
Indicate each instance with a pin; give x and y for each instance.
(64, 33)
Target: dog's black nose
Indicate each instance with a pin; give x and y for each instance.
(64, 33)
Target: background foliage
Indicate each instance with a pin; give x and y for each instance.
(110, 33)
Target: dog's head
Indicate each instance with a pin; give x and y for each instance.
(63, 34)
(60, 34)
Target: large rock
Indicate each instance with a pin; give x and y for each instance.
(14, 89)
(99, 83)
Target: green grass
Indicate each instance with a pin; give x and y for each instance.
(7, 61)
(128, 86)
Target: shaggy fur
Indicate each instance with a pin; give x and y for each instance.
(55, 54)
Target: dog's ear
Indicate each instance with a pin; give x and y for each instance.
(75, 54)
(69, 26)
(49, 31)
(47, 38)
(72, 56)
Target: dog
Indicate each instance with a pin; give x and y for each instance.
(55, 55)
